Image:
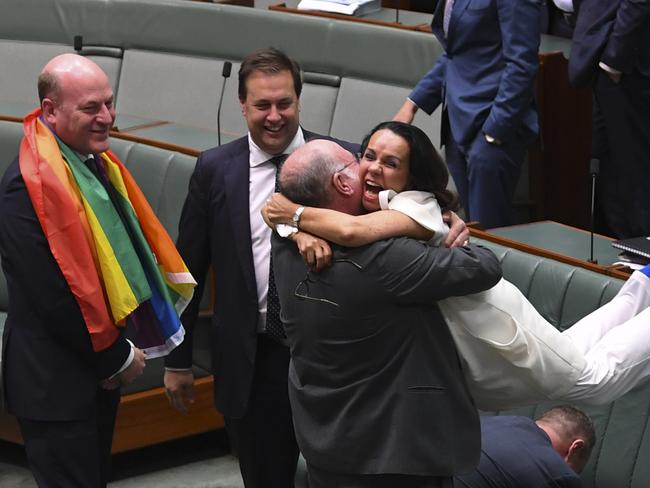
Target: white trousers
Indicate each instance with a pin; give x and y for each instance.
(512, 356)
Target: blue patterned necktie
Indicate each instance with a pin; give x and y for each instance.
(274, 328)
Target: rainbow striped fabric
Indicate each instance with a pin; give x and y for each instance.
(115, 255)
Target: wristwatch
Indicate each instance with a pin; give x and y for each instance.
(296, 217)
(285, 230)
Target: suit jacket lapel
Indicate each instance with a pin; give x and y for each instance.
(309, 135)
(459, 9)
(237, 175)
(438, 14)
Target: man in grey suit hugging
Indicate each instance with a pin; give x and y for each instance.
(375, 383)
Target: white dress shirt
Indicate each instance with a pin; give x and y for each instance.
(261, 185)
(564, 5)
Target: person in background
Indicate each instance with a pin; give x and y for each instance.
(484, 80)
(517, 451)
(611, 53)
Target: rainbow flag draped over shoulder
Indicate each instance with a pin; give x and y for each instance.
(115, 255)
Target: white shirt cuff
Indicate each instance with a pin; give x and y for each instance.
(609, 69)
(128, 361)
(564, 5)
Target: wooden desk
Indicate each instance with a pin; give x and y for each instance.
(559, 242)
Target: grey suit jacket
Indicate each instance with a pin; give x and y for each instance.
(375, 381)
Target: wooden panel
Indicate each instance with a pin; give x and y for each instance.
(146, 418)
(152, 142)
(9, 430)
(559, 168)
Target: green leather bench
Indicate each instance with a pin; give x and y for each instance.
(563, 294)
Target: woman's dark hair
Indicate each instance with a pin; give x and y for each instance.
(428, 170)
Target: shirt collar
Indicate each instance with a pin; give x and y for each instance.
(257, 156)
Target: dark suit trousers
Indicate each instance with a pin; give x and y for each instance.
(486, 176)
(621, 140)
(264, 439)
(319, 478)
(70, 454)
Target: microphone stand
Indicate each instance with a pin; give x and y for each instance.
(78, 43)
(225, 72)
(594, 168)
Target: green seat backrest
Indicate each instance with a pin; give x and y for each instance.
(10, 136)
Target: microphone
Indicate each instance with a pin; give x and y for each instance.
(78, 43)
(225, 72)
(594, 169)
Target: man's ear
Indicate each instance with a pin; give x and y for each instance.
(574, 456)
(242, 105)
(48, 109)
(341, 184)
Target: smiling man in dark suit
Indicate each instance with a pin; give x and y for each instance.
(221, 226)
(375, 381)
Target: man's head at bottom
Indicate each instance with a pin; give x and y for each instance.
(571, 432)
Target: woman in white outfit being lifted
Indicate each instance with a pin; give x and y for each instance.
(512, 356)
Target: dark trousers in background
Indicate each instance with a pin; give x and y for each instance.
(320, 478)
(486, 176)
(71, 454)
(264, 439)
(621, 140)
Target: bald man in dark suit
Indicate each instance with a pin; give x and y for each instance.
(375, 382)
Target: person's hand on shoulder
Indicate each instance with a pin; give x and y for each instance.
(316, 252)
(458, 232)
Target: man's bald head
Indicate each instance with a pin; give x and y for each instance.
(77, 102)
(63, 68)
(322, 174)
